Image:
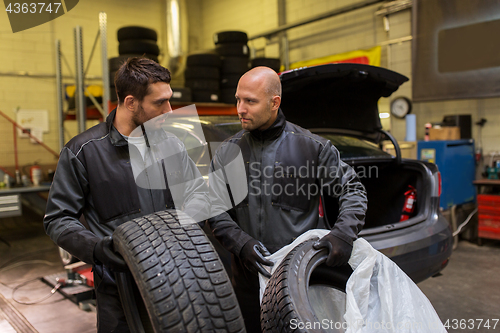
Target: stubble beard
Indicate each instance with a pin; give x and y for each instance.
(139, 116)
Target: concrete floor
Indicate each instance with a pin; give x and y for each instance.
(467, 289)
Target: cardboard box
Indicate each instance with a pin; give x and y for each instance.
(408, 149)
(444, 133)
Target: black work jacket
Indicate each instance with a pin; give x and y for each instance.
(288, 168)
(94, 178)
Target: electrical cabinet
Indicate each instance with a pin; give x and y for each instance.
(456, 162)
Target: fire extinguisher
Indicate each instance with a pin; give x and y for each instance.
(409, 206)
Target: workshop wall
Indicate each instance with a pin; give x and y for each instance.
(33, 51)
(399, 59)
(348, 32)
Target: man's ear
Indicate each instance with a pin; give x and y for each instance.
(130, 102)
(276, 102)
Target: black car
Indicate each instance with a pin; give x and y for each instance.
(339, 103)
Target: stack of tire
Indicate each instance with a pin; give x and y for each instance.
(233, 49)
(133, 41)
(273, 63)
(202, 76)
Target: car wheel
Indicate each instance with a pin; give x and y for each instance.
(180, 279)
(304, 291)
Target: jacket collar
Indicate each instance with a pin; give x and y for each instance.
(273, 131)
(115, 136)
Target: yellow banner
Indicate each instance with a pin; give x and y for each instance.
(367, 57)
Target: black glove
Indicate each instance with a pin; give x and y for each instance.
(339, 251)
(106, 255)
(252, 255)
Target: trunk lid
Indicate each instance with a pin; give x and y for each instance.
(343, 97)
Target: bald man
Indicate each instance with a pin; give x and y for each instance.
(287, 168)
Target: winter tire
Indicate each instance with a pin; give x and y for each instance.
(234, 65)
(181, 95)
(202, 84)
(112, 94)
(205, 96)
(202, 72)
(288, 298)
(181, 280)
(139, 46)
(273, 63)
(230, 37)
(232, 50)
(133, 32)
(116, 62)
(203, 59)
(227, 96)
(230, 81)
(112, 78)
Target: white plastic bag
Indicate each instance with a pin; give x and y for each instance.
(380, 297)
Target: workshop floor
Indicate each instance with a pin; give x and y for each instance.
(467, 289)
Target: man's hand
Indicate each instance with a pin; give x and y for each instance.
(252, 255)
(339, 251)
(106, 255)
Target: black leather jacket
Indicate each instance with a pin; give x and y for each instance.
(287, 168)
(94, 178)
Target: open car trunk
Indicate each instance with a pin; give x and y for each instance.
(386, 183)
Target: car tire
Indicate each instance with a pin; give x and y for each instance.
(203, 59)
(227, 95)
(116, 62)
(113, 97)
(230, 37)
(139, 46)
(273, 63)
(112, 78)
(206, 96)
(202, 72)
(230, 81)
(202, 84)
(181, 94)
(133, 32)
(286, 298)
(234, 65)
(232, 50)
(179, 276)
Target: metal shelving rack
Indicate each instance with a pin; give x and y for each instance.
(81, 109)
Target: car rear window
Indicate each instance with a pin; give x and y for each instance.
(351, 147)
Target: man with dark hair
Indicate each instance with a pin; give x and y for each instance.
(285, 167)
(95, 178)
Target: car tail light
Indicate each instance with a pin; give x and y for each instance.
(439, 184)
(436, 184)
